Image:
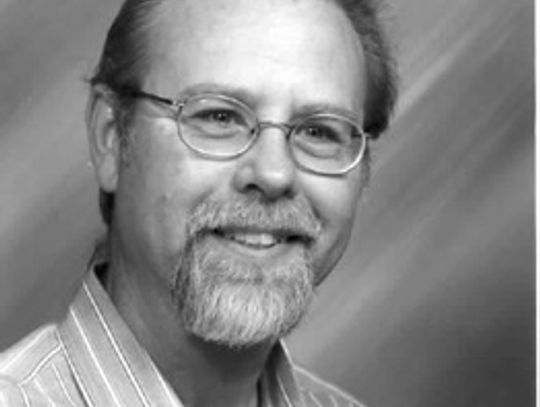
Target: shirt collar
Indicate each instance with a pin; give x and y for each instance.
(112, 369)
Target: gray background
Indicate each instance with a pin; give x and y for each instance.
(433, 304)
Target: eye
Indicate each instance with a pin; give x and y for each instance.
(319, 133)
(219, 117)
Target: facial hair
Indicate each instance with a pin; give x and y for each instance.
(237, 301)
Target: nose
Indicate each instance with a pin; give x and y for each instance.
(268, 166)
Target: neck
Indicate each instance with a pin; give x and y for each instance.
(202, 374)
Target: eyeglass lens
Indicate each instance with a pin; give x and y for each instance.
(218, 125)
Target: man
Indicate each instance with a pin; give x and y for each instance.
(229, 141)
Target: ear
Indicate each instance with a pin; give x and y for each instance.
(103, 137)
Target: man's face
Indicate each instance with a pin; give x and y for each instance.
(240, 242)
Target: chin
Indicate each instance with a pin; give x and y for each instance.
(245, 317)
(239, 303)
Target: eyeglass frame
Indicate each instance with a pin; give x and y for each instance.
(287, 128)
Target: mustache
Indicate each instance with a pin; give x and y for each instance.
(287, 217)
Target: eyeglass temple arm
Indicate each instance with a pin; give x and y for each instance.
(135, 93)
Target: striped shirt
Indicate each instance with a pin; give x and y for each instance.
(92, 359)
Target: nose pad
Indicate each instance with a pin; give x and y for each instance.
(268, 166)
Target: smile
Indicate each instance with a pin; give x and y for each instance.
(256, 240)
(259, 239)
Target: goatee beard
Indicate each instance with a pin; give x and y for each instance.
(238, 301)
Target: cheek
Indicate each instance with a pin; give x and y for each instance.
(172, 182)
(160, 185)
(334, 201)
(337, 209)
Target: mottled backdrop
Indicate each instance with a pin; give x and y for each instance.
(434, 303)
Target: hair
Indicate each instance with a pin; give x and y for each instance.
(124, 61)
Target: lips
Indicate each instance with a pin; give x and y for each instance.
(260, 239)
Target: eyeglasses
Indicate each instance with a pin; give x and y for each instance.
(221, 127)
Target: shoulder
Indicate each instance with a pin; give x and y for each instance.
(28, 369)
(318, 392)
(26, 356)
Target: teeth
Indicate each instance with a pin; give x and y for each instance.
(254, 239)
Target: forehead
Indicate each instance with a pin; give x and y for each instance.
(260, 45)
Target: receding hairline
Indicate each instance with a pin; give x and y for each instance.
(160, 8)
(158, 29)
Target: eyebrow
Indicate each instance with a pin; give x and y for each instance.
(315, 108)
(250, 99)
(227, 90)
